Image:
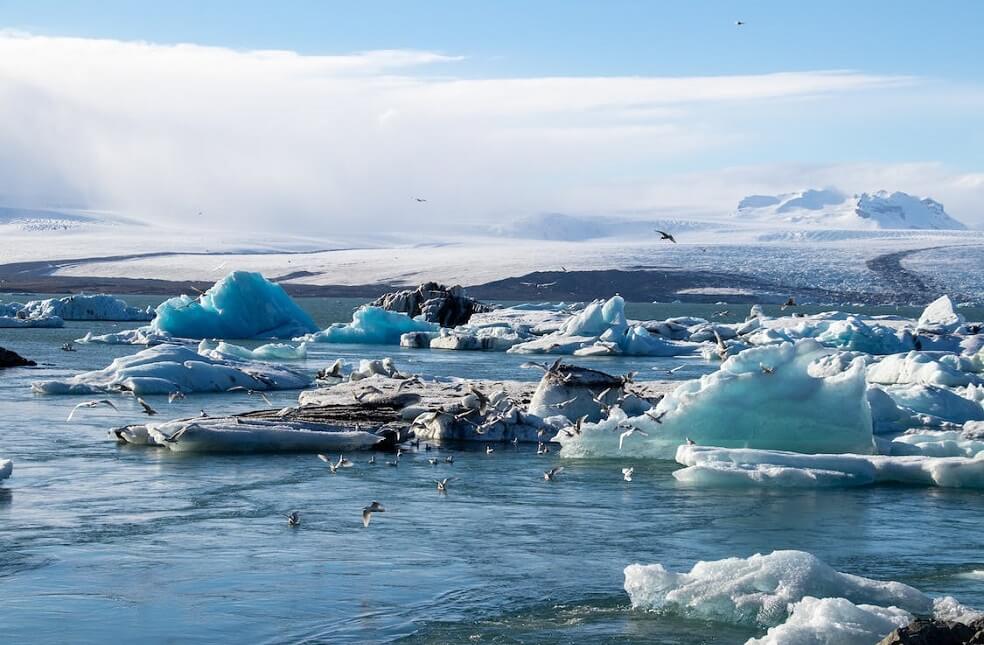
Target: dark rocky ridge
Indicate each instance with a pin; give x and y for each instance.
(447, 306)
(937, 632)
(13, 359)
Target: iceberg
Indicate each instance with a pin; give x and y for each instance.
(240, 305)
(86, 307)
(854, 334)
(938, 443)
(819, 621)
(710, 466)
(168, 368)
(244, 434)
(372, 326)
(924, 368)
(934, 405)
(16, 322)
(6, 468)
(939, 317)
(268, 352)
(783, 397)
(139, 336)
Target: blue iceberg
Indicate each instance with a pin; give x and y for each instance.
(372, 326)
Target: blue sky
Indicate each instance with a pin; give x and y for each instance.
(906, 113)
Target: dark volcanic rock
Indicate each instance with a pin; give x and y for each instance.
(12, 359)
(447, 306)
(937, 632)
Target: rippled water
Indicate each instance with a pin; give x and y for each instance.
(101, 542)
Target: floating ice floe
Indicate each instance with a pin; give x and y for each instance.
(85, 307)
(268, 352)
(709, 466)
(784, 397)
(925, 368)
(167, 368)
(139, 336)
(602, 329)
(244, 434)
(372, 326)
(16, 322)
(793, 593)
(936, 443)
(6, 468)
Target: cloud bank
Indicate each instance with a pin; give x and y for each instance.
(276, 139)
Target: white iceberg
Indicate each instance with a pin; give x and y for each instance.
(779, 396)
(168, 368)
(244, 434)
(939, 317)
(6, 468)
(711, 466)
(937, 443)
(925, 368)
(372, 326)
(16, 322)
(139, 336)
(931, 405)
(268, 352)
(86, 307)
(240, 305)
(829, 621)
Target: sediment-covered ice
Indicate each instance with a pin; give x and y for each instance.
(372, 326)
(86, 307)
(758, 590)
(601, 328)
(243, 434)
(167, 368)
(240, 305)
(268, 352)
(775, 397)
(710, 466)
(6, 468)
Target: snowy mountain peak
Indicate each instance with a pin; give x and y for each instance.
(833, 209)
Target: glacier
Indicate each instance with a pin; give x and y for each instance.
(168, 368)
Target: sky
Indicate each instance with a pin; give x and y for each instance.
(332, 117)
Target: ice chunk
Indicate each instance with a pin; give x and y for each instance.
(268, 352)
(6, 468)
(139, 336)
(939, 317)
(243, 434)
(86, 307)
(937, 443)
(757, 591)
(17, 323)
(830, 621)
(937, 404)
(924, 368)
(240, 305)
(709, 466)
(855, 334)
(493, 337)
(765, 397)
(167, 368)
(372, 326)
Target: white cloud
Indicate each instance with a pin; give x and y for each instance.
(280, 139)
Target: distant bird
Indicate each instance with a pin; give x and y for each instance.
(149, 411)
(202, 413)
(489, 449)
(369, 510)
(658, 418)
(433, 461)
(674, 370)
(739, 23)
(334, 466)
(294, 519)
(627, 473)
(628, 433)
(722, 349)
(419, 200)
(413, 380)
(240, 388)
(442, 484)
(767, 370)
(538, 285)
(449, 459)
(563, 404)
(68, 347)
(690, 442)
(552, 473)
(663, 235)
(196, 290)
(541, 448)
(371, 389)
(91, 404)
(335, 371)
(789, 303)
(721, 314)
(372, 459)
(394, 464)
(175, 396)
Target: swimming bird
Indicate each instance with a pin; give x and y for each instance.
(394, 464)
(442, 484)
(549, 475)
(540, 448)
(294, 519)
(449, 459)
(489, 449)
(627, 473)
(432, 461)
(628, 433)
(149, 411)
(68, 347)
(175, 396)
(372, 459)
(91, 404)
(334, 466)
(663, 235)
(369, 510)
(240, 388)
(789, 303)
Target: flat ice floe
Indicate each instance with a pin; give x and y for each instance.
(269, 352)
(709, 466)
(6, 468)
(243, 434)
(13, 322)
(784, 397)
(799, 597)
(168, 368)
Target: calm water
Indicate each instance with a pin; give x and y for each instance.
(101, 542)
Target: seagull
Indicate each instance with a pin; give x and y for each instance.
(68, 347)
(675, 369)
(483, 400)
(663, 235)
(722, 349)
(553, 472)
(789, 303)
(335, 371)
(369, 510)
(149, 411)
(240, 388)
(628, 433)
(413, 380)
(489, 449)
(91, 404)
(722, 314)
(394, 464)
(175, 396)
(540, 448)
(442, 484)
(562, 404)
(627, 473)
(690, 442)
(372, 389)
(739, 23)
(334, 466)
(372, 459)
(294, 519)
(658, 418)
(433, 461)
(767, 370)
(419, 200)
(449, 459)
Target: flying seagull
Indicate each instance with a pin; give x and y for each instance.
(240, 388)
(663, 235)
(628, 433)
(175, 396)
(369, 510)
(442, 484)
(334, 466)
(149, 411)
(91, 404)
(419, 200)
(739, 23)
(552, 473)
(627, 473)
